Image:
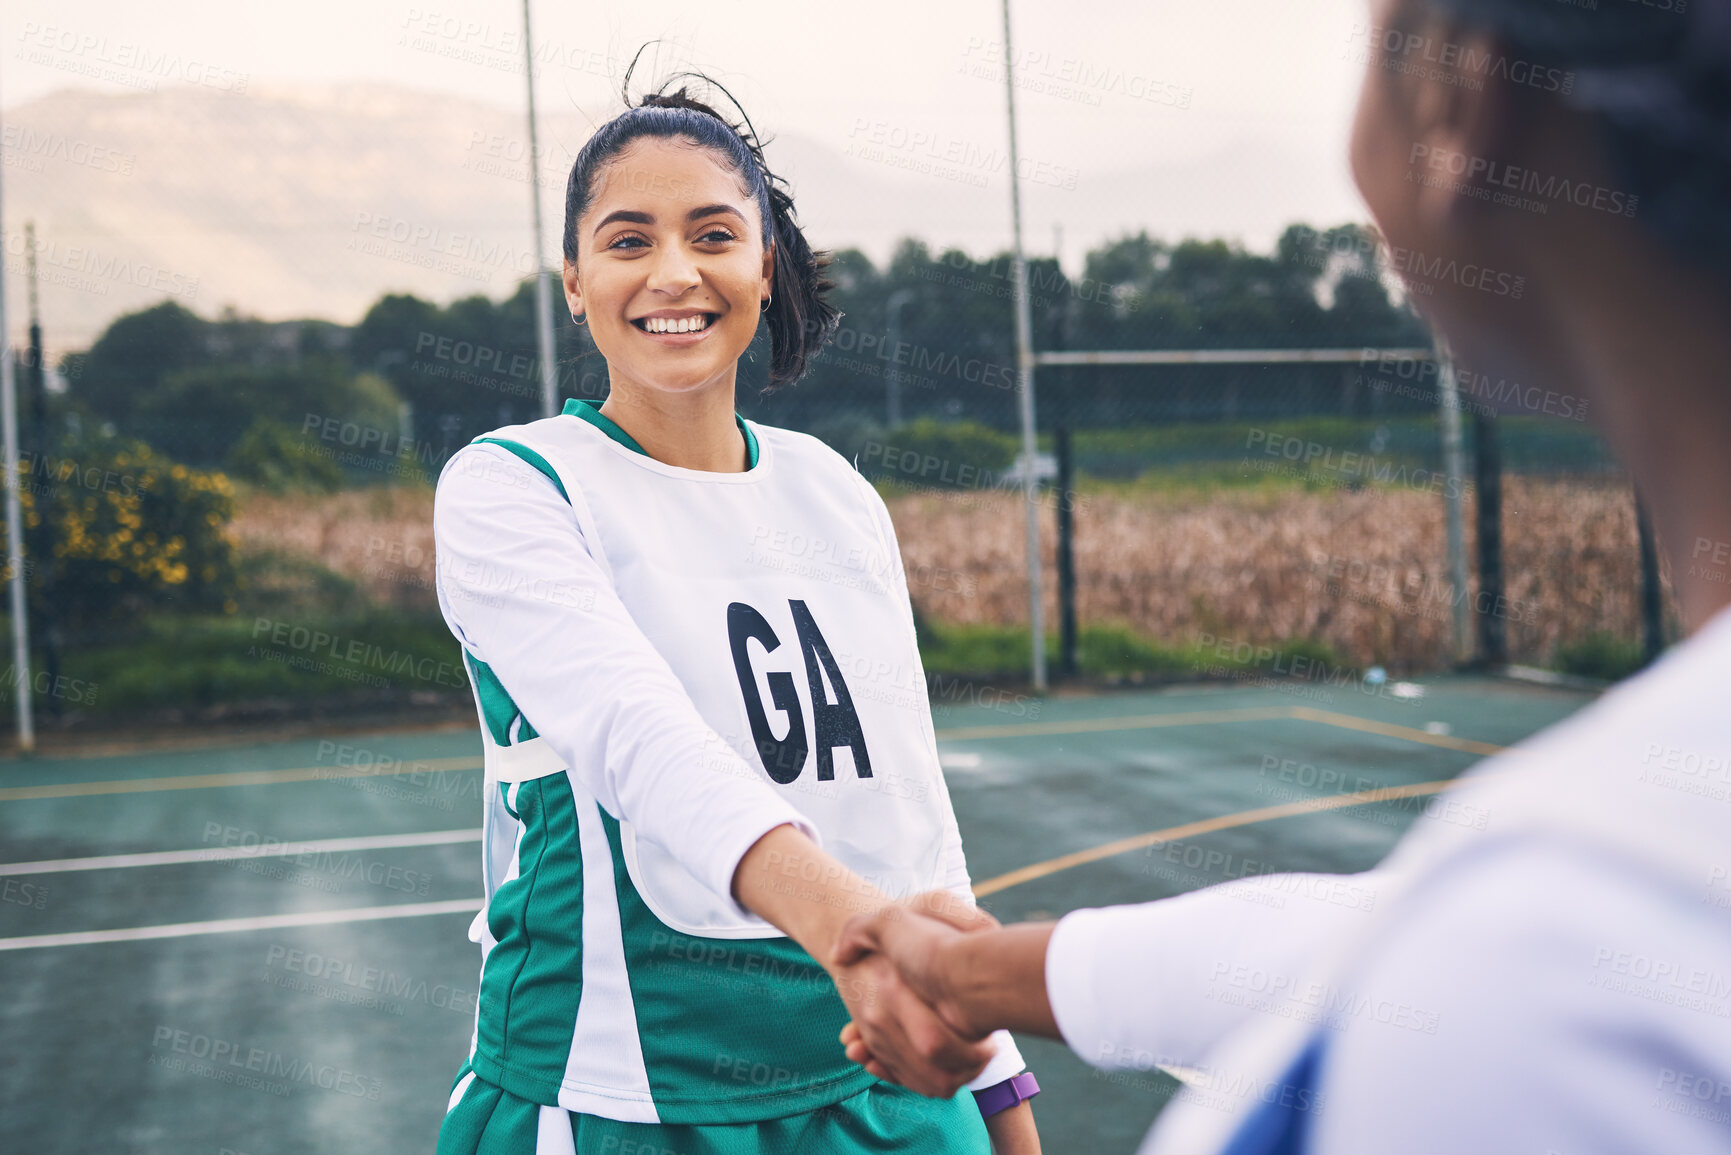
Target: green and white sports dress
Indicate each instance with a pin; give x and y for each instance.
(668, 663)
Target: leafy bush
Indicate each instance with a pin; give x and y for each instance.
(1601, 655)
(939, 454)
(114, 528)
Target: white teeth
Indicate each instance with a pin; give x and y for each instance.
(681, 325)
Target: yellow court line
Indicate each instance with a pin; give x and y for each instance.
(1389, 730)
(1205, 826)
(1263, 814)
(1130, 722)
(233, 778)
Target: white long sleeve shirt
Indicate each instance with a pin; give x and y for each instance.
(1557, 983)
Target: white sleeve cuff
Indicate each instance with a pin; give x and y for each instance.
(1072, 957)
(1006, 1064)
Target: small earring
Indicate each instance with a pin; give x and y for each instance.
(578, 320)
(764, 308)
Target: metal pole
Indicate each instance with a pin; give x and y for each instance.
(1454, 465)
(1025, 393)
(14, 534)
(42, 550)
(543, 298)
(893, 375)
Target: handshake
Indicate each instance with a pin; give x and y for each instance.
(928, 979)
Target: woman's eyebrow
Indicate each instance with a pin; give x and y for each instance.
(638, 217)
(632, 215)
(712, 210)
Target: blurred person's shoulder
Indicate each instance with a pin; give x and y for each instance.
(1646, 768)
(1557, 956)
(1639, 782)
(1537, 996)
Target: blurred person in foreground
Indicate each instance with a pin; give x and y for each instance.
(1559, 981)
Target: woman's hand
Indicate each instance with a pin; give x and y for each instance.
(915, 935)
(994, 977)
(907, 1014)
(791, 883)
(903, 1040)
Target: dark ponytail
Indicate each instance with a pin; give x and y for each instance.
(800, 318)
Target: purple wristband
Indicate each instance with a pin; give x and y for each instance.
(1003, 1096)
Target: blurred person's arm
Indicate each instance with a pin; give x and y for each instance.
(1144, 985)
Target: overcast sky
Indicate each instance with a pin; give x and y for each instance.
(1210, 118)
(1110, 85)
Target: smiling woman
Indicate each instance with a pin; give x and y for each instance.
(680, 811)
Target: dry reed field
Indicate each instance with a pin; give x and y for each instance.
(1363, 572)
(380, 538)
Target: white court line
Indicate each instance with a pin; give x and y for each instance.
(228, 853)
(230, 925)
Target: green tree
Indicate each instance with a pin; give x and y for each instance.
(134, 355)
(198, 415)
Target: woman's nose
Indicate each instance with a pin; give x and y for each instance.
(674, 270)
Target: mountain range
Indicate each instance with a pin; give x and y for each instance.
(307, 200)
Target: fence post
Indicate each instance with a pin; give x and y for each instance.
(1066, 554)
(1066, 494)
(1488, 476)
(1652, 609)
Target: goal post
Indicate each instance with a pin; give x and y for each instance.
(1447, 412)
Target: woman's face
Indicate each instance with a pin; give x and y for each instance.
(671, 267)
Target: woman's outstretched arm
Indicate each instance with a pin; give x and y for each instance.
(790, 882)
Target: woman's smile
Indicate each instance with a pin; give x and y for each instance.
(676, 327)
